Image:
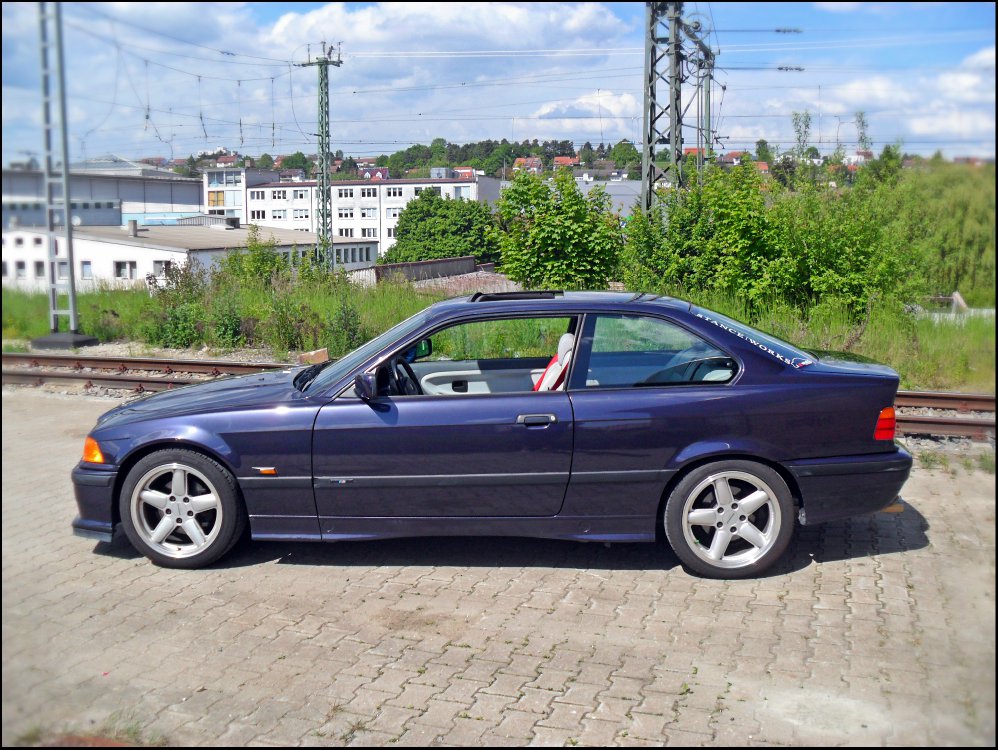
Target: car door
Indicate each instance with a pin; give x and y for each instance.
(643, 389)
(450, 453)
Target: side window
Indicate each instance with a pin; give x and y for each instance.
(516, 355)
(518, 338)
(633, 351)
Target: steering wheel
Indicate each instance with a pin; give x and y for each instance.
(404, 380)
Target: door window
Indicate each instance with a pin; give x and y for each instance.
(629, 351)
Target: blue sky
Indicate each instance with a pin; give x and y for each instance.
(169, 79)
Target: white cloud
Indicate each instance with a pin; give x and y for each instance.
(839, 7)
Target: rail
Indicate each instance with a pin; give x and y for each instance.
(162, 374)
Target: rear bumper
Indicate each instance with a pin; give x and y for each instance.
(95, 501)
(844, 486)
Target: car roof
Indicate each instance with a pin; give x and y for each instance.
(544, 300)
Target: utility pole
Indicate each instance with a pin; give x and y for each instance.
(324, 201)
(56, 180)
(668, 63)
(663, 60)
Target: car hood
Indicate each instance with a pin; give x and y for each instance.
(239, 392)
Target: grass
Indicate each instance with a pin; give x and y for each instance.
(330, 312)
(119, 727)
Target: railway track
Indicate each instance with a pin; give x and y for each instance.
(143, 374)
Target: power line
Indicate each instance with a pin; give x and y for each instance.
(226, 53)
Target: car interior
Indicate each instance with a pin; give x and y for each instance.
(519, 355)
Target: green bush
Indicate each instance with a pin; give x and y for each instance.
(553, 236)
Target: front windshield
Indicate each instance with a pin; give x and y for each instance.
(358, 356)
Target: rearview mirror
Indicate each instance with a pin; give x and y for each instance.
(423, 349)
(365, 386)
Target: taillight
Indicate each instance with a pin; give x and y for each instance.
(885, 425)
(91, 451)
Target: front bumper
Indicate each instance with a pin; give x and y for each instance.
(94, 489)
(844, 486)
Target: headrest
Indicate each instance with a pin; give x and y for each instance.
(565, 345)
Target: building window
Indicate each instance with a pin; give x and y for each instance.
(301, 213)
(216, 198)
(434, 189)
(18, 241)
(339, 259)
(345, 192)
(37, 241)
(346, 232)
(160, 267)
(394, 192)
(63, 269)
(345, 213)
(369, 213)
(279, 213)
(86, 270)
(21, 269)
(368, 192)
(258, 214)
(369, 232)
(462, 191)
(279, 195)
(39, 269)
(390, 232)
(5, 268)
(393, 213)
(300, 195)
(257, 195)
(124, 269)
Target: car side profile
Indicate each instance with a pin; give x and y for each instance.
(588, 416)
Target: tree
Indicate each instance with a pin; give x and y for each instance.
(624, 153)
(297, 160)
(862, 136)
(763, 152)
(266, 161)
(802, 131)
(434, 227)
(554, 236)
(587, 154)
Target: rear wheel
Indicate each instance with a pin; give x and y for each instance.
(730, 519)
(181, 509)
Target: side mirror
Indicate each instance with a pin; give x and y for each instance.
(424, 349)
(365, 386)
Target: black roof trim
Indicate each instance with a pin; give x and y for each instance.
(499, 296)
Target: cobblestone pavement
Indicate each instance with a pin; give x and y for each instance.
(876, 631)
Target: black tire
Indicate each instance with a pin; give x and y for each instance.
(181, 509)
(701, 519)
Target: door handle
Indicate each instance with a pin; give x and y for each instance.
(535, 420)
(459, 386)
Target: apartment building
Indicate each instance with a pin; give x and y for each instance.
(225, 190)
(361, 209)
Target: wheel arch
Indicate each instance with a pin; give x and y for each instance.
(147, 449)
(696, 463)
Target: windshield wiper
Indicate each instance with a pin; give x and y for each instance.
(306, 376)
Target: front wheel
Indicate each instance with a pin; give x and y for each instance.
(181, 509)
(730, 519)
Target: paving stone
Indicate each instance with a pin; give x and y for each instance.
(873, 631)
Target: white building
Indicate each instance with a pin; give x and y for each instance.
(225, 190)
(362, 209)
(123, 255)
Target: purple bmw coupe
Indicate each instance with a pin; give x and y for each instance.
(591, 416)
